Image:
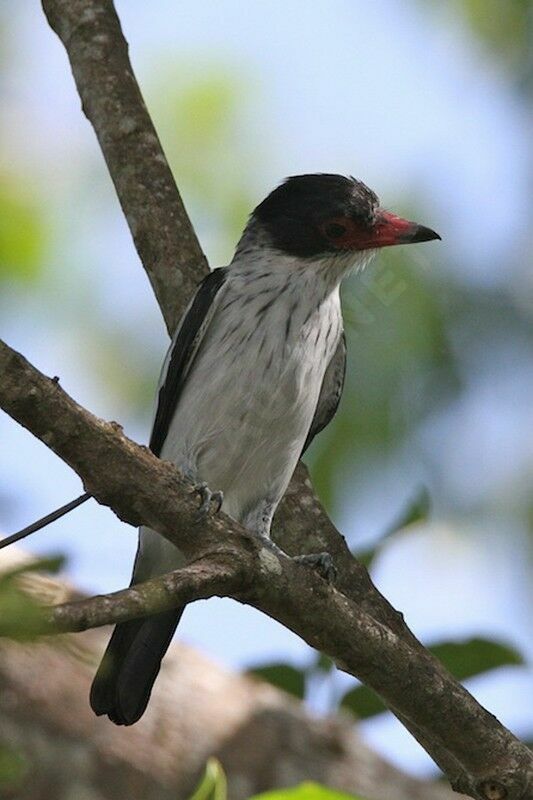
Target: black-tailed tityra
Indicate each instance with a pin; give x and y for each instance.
(254, 372)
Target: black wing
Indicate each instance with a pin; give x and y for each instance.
(330, 392)
(183, 349)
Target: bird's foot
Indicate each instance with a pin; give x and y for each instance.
(209, 501)
(321, 562)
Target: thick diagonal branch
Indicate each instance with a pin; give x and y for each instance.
(142, 489)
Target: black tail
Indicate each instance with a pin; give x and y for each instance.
(122, 686)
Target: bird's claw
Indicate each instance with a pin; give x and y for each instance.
(209, 501)
(321, 562)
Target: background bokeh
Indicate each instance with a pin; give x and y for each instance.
(431, 105)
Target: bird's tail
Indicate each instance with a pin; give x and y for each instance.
(122, 686)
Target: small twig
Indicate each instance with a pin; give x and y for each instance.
(208, 576)
(44, 521)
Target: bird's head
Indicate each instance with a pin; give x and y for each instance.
(318, 216)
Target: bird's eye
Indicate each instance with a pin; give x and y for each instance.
(334, 230)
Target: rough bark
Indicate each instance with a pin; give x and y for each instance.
(353, 622)
(112, 101)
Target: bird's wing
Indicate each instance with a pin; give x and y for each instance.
(180, 357)
(330, 392)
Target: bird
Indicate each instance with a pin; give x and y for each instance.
(254, 372)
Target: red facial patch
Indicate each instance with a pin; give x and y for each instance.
(345, 233)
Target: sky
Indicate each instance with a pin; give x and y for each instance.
(387, 91)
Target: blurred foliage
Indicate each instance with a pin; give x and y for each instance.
(323, 663)
(13, 771)
(213, 785)
(131, 382)
(306, 791)
(21, 615)
(22, 234)
(397, 336)
(362, 702)
(504, 25)
(471, 657)
(284, 676)
(416, 510)
(202, 123)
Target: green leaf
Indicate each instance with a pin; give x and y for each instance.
(323, 663)
(21, 615)
(416, 510)
(306, 791)
(362, 702)
(213, 785)
(52, 565)
(22, 235)
(13, 770)
(474, 656)
(283, 676)
(463, 659)
(503, 25)
(366, 557)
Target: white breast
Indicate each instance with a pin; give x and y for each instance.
(251, 395)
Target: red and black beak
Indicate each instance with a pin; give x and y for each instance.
(390, 229)
(346, 233)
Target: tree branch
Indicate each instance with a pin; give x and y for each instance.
(112, 101)
(203, 578)
(140, 488)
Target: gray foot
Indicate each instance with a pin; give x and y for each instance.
(209, 501)
(321, 562)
